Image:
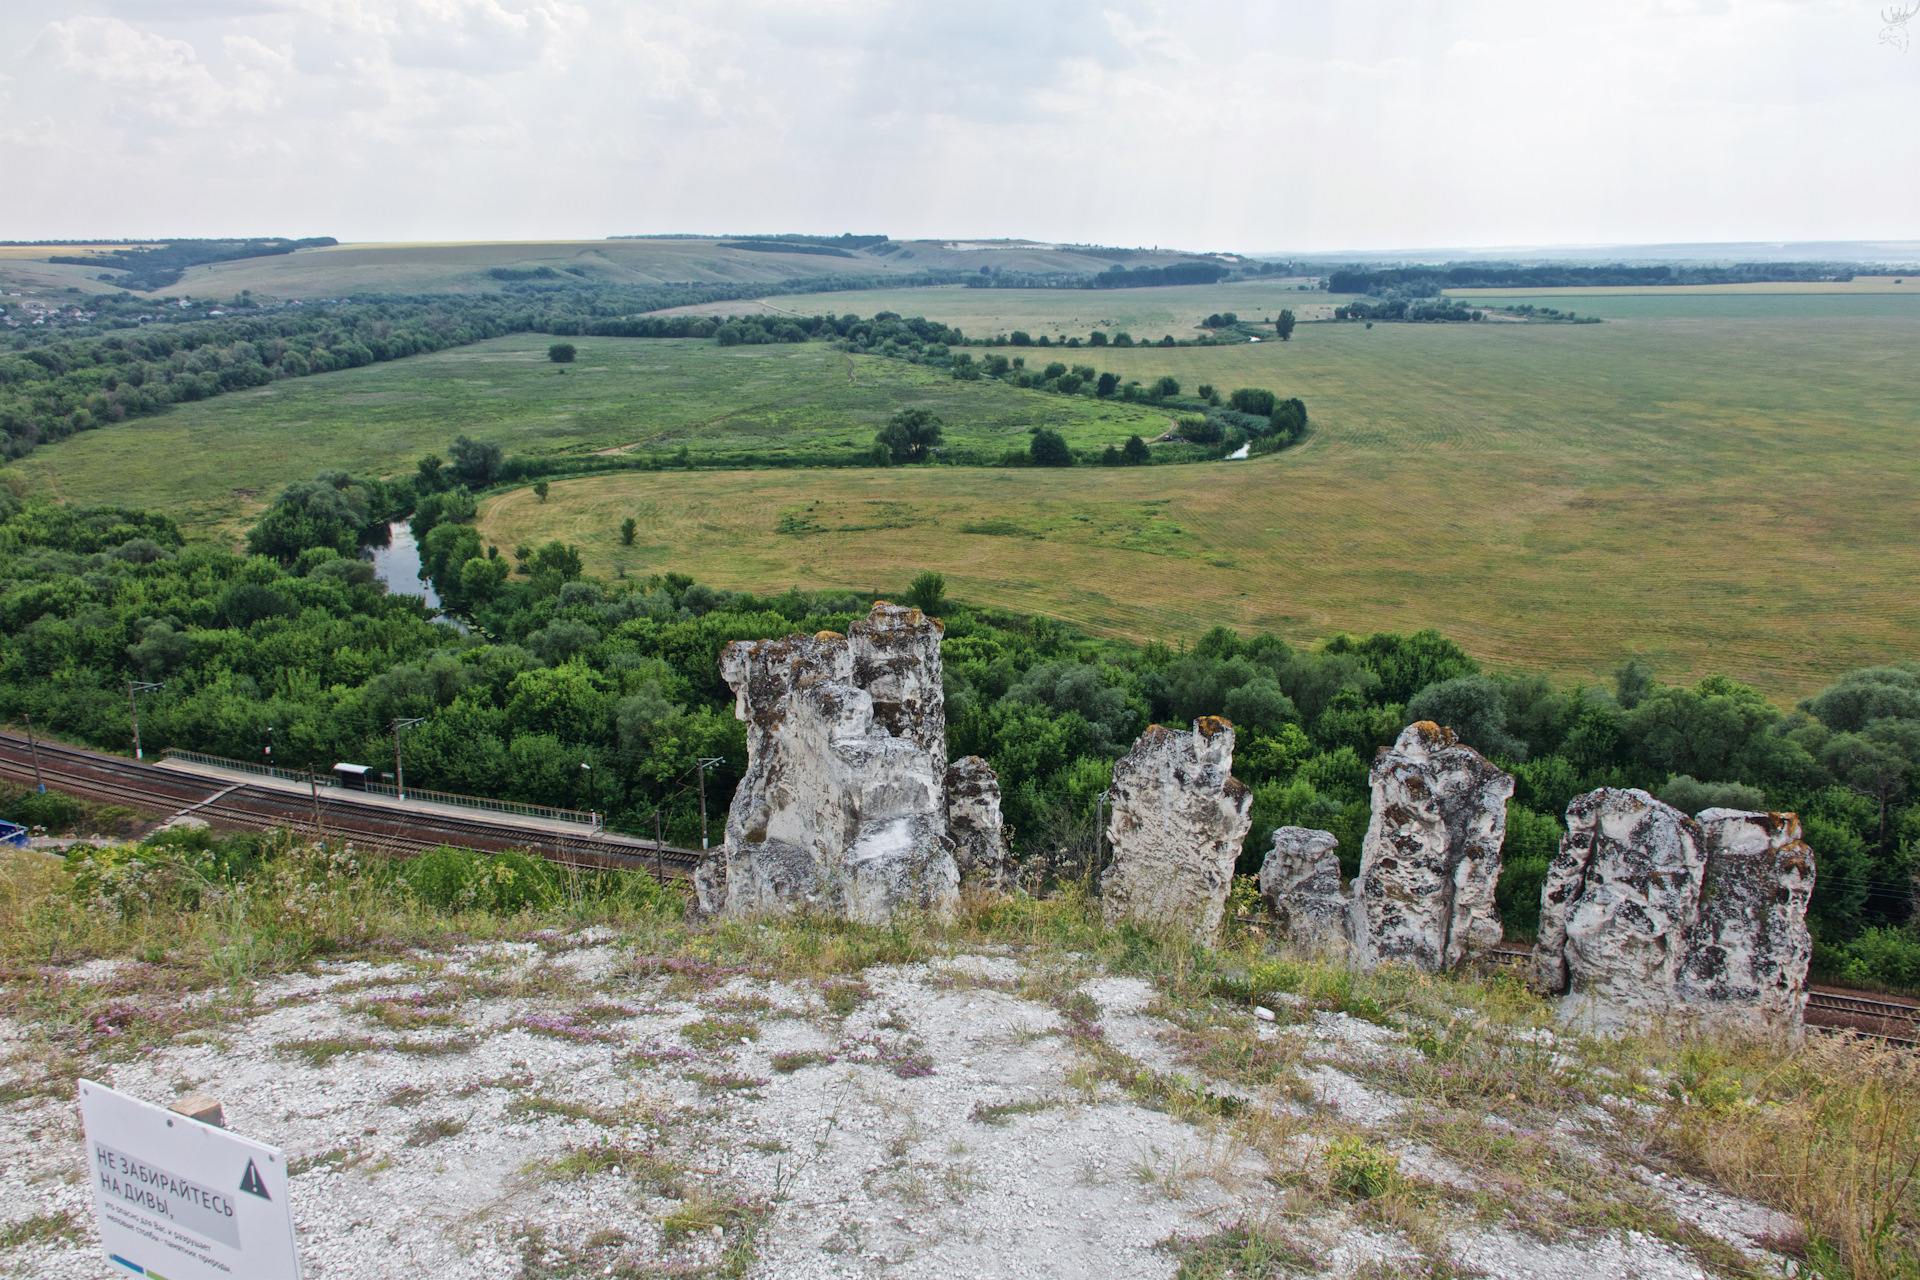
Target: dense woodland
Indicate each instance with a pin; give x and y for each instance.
(1430, 280)
(558, 671)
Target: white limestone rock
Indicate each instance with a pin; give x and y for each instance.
(835, 811)
(1300, 881)
(1179, 817)
(1431, 857)
(1616, 908)
(974, 823)
(1748, 949)
(896, 658)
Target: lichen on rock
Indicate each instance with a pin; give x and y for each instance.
(1616, 907)
(1431, 857)
(1178, 819)
(1649, 913)
(974, 823)
(1300, 881)
(1749, 947)
(836, 810)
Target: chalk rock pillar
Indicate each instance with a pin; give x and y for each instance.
(1179, 817)
(1748, 949)
(896, 658)
(1431, 857)
(835, 811)
(1300, 881)
(1616, 907)
(974, 823)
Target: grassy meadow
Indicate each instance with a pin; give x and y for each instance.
(216, 463)
(1058, 313)
(1720, 495)
(1724, 482)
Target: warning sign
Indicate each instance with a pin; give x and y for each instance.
(182, 1200)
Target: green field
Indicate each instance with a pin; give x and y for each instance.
(464, 267)
(979, 313)
(1723, 492)
(1721, 496)
(214, 464)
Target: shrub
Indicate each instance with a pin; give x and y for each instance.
(1049, 449)
(459, 879)
(562, 352)
(1690, 796)
(1253, 400)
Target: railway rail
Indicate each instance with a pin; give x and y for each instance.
(244, 806)
(1896, 1022)
(91, 775)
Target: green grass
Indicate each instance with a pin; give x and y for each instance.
(1720, 492)
(1712, 302)
(1720, 495)
(215, 464)
(979, 313)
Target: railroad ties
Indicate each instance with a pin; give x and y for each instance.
(91, 775)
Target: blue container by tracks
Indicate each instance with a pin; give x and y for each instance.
(14, 834)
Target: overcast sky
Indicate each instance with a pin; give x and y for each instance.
(1272, 125)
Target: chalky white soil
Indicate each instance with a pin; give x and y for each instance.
(854, 1166)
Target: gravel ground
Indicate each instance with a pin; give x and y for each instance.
(425, 1102)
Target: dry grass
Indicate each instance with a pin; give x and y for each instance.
(1556, 1132)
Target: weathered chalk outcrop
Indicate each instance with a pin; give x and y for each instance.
(1649, 913)
(836, 810)
(1616, 908)
(974, 823)
(896, 658)
(1300, 881)
(1179, 817)
(1748, 950)
(1431, 856)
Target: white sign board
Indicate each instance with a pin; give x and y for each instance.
(182, 1200)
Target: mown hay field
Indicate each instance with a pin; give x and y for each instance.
(1718, 494)
(216, 463)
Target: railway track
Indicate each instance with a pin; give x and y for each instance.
(1894, 1021)
(108, 779)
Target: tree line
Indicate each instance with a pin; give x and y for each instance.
(560, 670)
(1493, 275)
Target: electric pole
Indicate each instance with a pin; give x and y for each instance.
(703, 764)
(33, 749)
(133, 687)
(592, 805)
(400, 778)
(269, 746)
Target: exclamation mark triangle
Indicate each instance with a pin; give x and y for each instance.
(251, 1184)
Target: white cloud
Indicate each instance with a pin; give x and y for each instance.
(1259, 125)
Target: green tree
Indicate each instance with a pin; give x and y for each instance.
(911, 435)
(1108, 384)
(332, 511)
(476, 463)
(560, 558)
(1135, 452)
(540, 488)
(1254, 400)
(562, 353)
(927, 592)
(1049, 449)
(628, 528)
(1284, 325)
